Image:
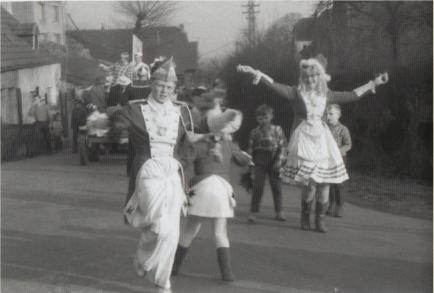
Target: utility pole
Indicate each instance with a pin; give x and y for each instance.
(251, 21)
(73, 22)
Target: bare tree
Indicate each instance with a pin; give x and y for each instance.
(395, 18)
(386, 34)
(145, 14)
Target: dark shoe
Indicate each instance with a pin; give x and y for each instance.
(140, 272)
(224, 261)
(305, 215)
(339, 211)
(279, 217)
(181, 252)
(320, 211)
(252, 218)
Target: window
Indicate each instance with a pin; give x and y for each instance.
(42, 12)
(35, 42)
(9, 106)
(58, 39)
(56, 14)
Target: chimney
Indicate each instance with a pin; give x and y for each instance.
(181, 26)
(102, 27)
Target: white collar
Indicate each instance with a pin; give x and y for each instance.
(157, 107)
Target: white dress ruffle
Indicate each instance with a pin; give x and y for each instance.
(212, 197)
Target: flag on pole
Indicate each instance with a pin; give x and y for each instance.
(137, 45)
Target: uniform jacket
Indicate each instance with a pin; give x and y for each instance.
(130, 117)
(205, 164)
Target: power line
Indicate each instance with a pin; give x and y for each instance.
(73, 22)
(220, 47)
(251, 20)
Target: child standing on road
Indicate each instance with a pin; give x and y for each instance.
(343, 139)
(266, 146)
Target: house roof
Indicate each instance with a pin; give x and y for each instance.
(304, 29)
(15, 52)
(80, 70)
(158, 41)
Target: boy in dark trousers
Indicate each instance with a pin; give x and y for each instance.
(56, 129)
(343, 139)
(266, 146)
(78, 118)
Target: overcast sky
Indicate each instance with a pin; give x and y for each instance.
(214, 24)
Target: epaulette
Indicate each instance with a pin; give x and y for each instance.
(182, 104)
(138, 101)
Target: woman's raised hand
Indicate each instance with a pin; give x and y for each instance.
(382, 78)
(246, 69)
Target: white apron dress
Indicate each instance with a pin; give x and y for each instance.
(156, 204)
(313, 154)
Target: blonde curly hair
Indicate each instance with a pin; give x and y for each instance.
(313, 66)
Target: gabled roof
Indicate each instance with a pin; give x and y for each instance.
(158, 41)
(76, 68)
(15, 52)
(104, 44)
(304, 29)
(80, 70)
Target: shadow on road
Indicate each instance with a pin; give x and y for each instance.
(103, 261)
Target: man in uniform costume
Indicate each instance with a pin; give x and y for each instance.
(157, 128)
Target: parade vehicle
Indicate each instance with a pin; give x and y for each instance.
(98, 136)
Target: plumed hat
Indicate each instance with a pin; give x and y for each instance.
(165, 72)
(226, 122)
(223, 122)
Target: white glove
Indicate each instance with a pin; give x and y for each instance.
(382, 78)
(246, 69)
(256, 74)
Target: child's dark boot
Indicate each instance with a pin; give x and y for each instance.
(305, 214)
(320, 211)
(224, 261)
(180, 254)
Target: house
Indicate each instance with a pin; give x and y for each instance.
(107, 45)
(49, 16)
(23, 70)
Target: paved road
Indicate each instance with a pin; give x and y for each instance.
(62, 231)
